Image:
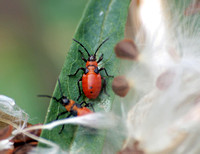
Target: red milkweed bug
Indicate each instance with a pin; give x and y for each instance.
(71, 106)
(91, 79)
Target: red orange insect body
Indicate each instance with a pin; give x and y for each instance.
(91, 79)
(91, 82)
(76, 109)
(83, 111)
(73, 108)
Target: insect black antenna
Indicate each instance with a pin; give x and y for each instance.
(82, 46)
(48, 97)
(60, 87)
(100, 46)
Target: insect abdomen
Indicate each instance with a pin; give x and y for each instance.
(91, 83)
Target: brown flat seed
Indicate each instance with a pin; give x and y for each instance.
(6, 132)
(126, 49)
(120, 86)
(23, 138)
(7, 151)
(24, 144)
(24, 149)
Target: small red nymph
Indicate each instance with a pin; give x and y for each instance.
(73, 108)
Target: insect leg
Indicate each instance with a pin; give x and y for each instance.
(101, 69)
(100, 58)
(83, 103)
(87, 105)
(64, 125)
(81, 68)
(82, 56)
(61, 114)
(104, 86)
(79, 88)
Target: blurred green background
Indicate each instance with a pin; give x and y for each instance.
(34, 39)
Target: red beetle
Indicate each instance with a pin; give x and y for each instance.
(71, 106)
(91, 79)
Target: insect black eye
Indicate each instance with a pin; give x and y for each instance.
(65, 101)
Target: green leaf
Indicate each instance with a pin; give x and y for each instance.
(102, 19)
